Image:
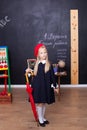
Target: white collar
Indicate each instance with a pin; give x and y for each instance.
(43, 61)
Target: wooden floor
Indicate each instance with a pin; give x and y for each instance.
(68, 114)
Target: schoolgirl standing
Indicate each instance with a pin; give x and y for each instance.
(44, 83)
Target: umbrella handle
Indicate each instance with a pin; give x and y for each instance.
(26, 75)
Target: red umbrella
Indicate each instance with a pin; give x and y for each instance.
(29, 89)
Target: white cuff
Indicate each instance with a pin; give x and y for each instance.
(29, 74)
(52, 86)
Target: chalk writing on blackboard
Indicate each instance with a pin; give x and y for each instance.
(4, 21)
(62, 54)
(55, 39)
(59, 43)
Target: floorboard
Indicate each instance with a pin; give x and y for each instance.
(70, 113)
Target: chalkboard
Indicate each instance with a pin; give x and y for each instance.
(24, 23)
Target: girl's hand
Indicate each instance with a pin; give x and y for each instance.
(56, 90)
(28, 70)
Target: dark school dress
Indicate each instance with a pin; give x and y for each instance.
(42, 90)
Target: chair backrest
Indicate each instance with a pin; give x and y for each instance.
(31, 63)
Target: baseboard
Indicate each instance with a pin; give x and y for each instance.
(62, 86)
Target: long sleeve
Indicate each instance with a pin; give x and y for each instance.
(53, 77)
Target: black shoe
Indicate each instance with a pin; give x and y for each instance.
(46, 122)
(42, 124)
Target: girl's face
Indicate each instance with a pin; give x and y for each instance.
(42, 53)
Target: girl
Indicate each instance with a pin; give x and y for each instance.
(43, 82)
